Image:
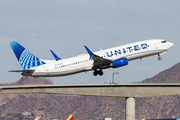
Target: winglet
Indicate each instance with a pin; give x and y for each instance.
(70, 117)
(89, 52)
(55, 56)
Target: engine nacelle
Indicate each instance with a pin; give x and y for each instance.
(119, 62)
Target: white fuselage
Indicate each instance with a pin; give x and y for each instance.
(82, 63)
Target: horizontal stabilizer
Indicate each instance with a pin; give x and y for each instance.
(27, 70)
(14, 71)
(55, 56)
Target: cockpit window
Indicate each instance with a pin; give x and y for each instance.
(163, 41)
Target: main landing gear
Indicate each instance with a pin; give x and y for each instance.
(100, 72)
(159, 57)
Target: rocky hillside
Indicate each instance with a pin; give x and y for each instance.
(29, 81)
(170, 75)
(51, 106)
(5, 99)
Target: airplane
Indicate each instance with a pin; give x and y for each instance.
(38, 118)
(70, 117)
(97, 61)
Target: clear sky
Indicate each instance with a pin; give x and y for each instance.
(66, 25)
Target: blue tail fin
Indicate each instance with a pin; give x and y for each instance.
(26, 59)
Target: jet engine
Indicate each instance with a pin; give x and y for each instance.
(119, 62)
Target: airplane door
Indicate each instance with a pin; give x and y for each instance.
(156, 45)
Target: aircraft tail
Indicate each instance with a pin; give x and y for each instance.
(38, 118)
(70, 117)
(26, 59)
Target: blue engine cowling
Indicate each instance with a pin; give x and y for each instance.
(119, 62)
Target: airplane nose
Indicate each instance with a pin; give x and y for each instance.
(170, 44)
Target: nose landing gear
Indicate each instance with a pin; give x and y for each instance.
(100, 72)
(159, 57)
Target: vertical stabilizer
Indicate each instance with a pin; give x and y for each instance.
(70, 117)
(38, 118)
(26, 59)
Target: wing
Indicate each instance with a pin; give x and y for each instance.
(99, 62)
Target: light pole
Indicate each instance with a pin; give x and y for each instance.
(113, 77)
